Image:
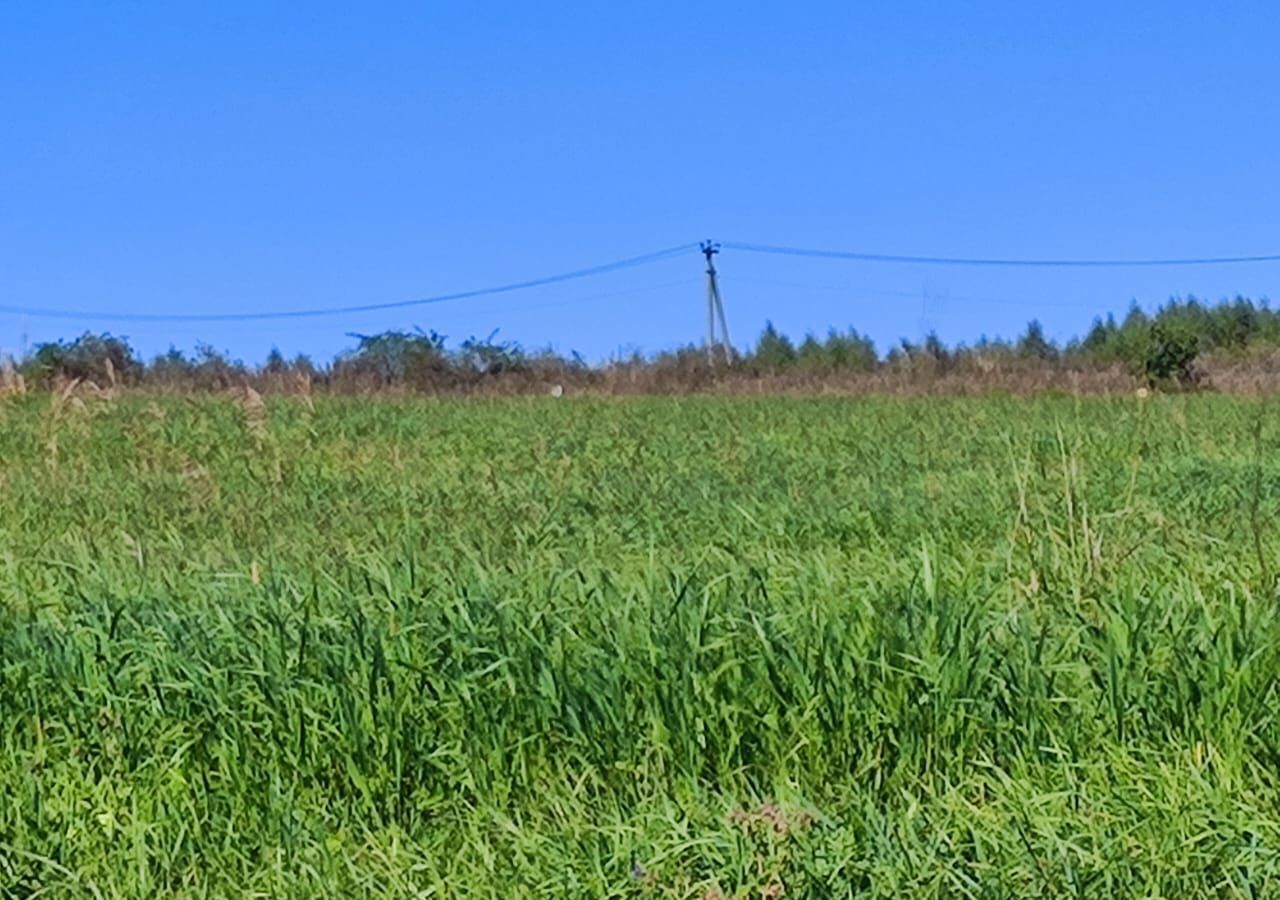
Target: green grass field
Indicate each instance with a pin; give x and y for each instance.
(642, 648)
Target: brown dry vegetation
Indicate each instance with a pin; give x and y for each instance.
(1253, 375)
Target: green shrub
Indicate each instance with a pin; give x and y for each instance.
(100, 358)
(1169, 355)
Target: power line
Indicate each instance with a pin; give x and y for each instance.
(855, 292)
(472, 311)
(978, 261)
(341, 310)
(47, 313)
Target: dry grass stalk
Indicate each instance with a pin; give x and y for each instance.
(73, 405)
(201, 486)
(11, 381)
(63, 396)
(254, 411)
(302, 382)
(78, 396)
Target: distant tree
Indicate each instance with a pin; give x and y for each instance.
(850, 351)
(1232, 326)
(905, 355)
(275, 364)
(774, 351)
(397, 357)
(838, 352)
(1130, 342)
(931, 356)
(936, 350)
(1033, 345)
(1098, 343)
(490, 357)
(213, 369)
(811, 354)
(171, 369)
(101, 358)
(303, 365)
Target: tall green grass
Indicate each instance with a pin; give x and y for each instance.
(643, 648)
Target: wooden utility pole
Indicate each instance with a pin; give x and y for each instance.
(715, 308)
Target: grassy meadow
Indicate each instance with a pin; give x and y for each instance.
(678, 647)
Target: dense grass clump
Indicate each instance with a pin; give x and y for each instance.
(639, 648)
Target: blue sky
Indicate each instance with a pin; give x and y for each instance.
(201, 158)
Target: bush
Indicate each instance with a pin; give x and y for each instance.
(1169, 356)
(416, 359)
(490, 357)
(100, 358)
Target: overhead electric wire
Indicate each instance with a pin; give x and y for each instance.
(472, 311)
(987, 261)
(932, 297)
(317, 312)
(38, 312)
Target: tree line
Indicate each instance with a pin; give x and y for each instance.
(1163, 349)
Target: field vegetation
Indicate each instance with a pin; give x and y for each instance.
(644, 647)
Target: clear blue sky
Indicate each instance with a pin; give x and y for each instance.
(231, 156)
